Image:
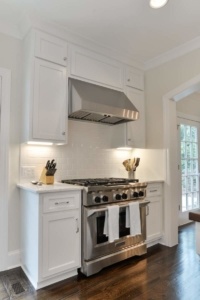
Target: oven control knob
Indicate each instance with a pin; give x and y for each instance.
(124, 196)
(118, 197)
(141, 193)
(105, 198)
(97, 199)
(135, 195)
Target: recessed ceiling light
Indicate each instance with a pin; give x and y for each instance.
(157, 3)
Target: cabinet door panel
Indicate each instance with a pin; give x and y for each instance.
(51, 48)
(154, 219)
(49, 108)
(134, 78)
(61, 246)
(96, 68)
(136, 129)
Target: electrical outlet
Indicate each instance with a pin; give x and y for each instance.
(28, 172)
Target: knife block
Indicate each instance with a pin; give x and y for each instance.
(46, 179)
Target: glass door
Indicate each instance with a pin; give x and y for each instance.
(189, 168)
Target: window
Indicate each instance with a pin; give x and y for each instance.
(189, 167)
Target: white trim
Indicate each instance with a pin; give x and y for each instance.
(170, 144)
(19, 31)
(13, 259)
(5, 76)
(188, 117)
(170, 186)
(173, 54)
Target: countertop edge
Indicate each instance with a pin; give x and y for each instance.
(53, 188)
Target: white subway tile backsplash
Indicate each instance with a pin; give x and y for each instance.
(88, 154)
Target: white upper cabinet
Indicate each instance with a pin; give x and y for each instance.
(131, 134)
(134, 78)
(50, 48)
(49, 101)
(45, 107)
(98, 69)
(136, 130)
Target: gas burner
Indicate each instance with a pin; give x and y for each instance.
(100, 181)
(101, 191)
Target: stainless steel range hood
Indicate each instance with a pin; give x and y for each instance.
(90, 102)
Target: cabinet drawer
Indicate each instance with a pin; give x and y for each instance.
(154, 190)
(61, 201)
(51, 48)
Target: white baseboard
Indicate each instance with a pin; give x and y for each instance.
(14, 259)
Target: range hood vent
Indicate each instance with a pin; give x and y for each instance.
(93, 103)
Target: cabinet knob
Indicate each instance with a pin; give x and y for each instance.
(65, 58)
(128, 79)
(63, 133)
(129, 140)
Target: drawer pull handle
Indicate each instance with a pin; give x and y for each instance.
(63, 202)
(77, 227)
(153, 191)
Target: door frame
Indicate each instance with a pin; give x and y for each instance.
(190, 120)
(5, 87)
(171, 201)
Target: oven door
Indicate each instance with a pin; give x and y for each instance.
(95, 243)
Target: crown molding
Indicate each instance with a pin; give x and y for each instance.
(173, 54)
(33, 21)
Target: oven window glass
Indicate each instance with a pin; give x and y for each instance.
(101, 238)
(123, 231)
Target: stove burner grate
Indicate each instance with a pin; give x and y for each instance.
(100, 181)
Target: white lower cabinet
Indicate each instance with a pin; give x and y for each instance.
(155, 214)
(60, 242)
(50, 236)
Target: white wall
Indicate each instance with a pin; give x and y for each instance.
(190, 105)
(10, 58)
(158, 82)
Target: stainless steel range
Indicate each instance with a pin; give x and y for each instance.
(99, 197)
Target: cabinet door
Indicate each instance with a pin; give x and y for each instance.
(154, 219)
(50, 48)
(134, 78)
(49, 101)
(61, 242)
(96, 68)
(136, 129)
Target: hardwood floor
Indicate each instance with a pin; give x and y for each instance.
(163, 273)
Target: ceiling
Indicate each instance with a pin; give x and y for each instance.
(130, 27)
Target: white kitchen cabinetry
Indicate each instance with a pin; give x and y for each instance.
(49, 101)
(134, 78)
(98, 69)
(50, 48)
(50, 236)
(45, 97)
(155, 216)
(131, 134)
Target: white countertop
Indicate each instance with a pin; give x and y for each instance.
(48, 188)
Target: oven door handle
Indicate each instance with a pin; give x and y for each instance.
(92, 211)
